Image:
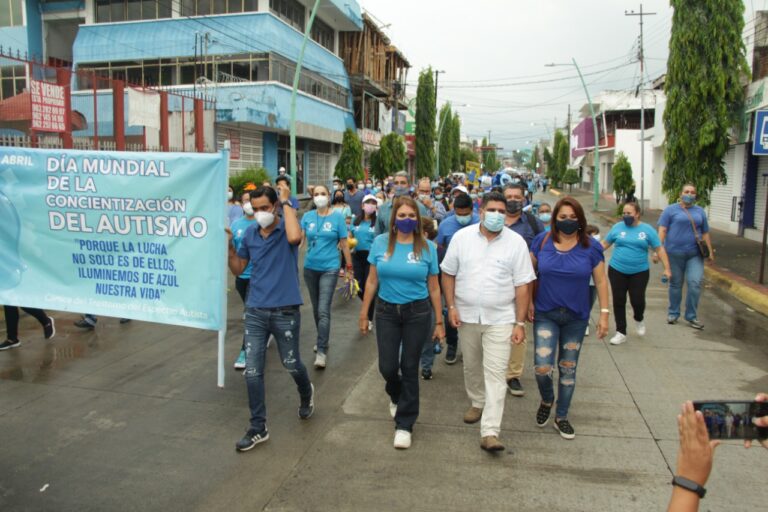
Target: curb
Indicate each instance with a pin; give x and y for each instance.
(556, 192)
(751, 294)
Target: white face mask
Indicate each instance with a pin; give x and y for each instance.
(320, 201)
(230, 194)
(360, 186)
(248, 209)
(265, 219)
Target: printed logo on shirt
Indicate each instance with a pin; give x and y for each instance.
(311, 226)
(412, 259)
(327, 226)
(642, 236)
(622, 234)
(239, 233)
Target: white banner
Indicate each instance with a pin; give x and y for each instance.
(385, 120)
(143, 108)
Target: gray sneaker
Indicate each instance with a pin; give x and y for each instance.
(696, 324)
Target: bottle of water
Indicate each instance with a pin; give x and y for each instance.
(438, 347)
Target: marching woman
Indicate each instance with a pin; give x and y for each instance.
(565, 257)
(684, 231)
(628, 270)
(12, 325)
(364, 231)
(323, 229)
(403, 275)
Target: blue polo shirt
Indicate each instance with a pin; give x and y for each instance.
(323, 236)
(402, 276)
(239, 228)
(355, 201)
(564, 276)
(365, 232)
(630, 255)
(274, 268)
(680, 238)
(449, 227)
(523, 227)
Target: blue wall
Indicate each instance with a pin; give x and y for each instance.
(269, 151)
(14, 39)
(34, 30)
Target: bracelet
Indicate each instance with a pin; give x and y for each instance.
(451, 307)
(349, 267)
(522, 324)
(605, 310)
(438, 323)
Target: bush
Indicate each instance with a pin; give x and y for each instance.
(570, 177)
(620, 210)
(254, 175)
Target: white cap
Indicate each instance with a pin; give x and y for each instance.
(370, 197)
(282, 169)
(460, 188)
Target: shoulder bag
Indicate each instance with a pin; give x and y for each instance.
(703, 247)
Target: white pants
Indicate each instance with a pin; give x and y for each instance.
(486, 350)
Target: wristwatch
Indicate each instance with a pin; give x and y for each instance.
(689, 485)
(287, 202)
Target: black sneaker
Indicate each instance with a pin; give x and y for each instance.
(49, 329)
(9, 344)
(515, 387)
(125, 320)
(251, 439)
(565, 429)
(696, 324)
(307, 406)
(83, 324)
(450, 355)
(426, 374)
(542, 415)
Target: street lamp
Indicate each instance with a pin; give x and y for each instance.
(439, 136)
(545, 125)
(596, 177)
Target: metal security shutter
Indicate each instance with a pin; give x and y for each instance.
(251, 150)
(320, 171)
(721, 199)
(762, 185)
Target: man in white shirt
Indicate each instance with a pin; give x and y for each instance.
(485, 275)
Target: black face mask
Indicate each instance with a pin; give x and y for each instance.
(338, 199)
(350, 186)
(514, 206)
(567, 226)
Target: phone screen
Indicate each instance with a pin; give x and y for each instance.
(733, 419)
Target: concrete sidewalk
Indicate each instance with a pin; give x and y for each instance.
(737, 260)
(129, 418)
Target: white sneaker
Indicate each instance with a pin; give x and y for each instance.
(402, 439)
(370, 326)
(270, 340)
(618, 339)
(320, 360)
(314, 349)
(586, 333)
(640, 326)
(392, 409)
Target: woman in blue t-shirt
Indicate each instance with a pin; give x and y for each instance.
(364, 231)
(404, 273)
(565, 258)
(628, 271)
(681, 226)
(323, 229)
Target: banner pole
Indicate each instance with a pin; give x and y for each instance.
(221, 375)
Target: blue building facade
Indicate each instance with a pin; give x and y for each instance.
(241, 53)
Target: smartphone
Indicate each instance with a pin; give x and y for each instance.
(733, 419)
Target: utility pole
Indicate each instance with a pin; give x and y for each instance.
(437, 75)
(641, 57)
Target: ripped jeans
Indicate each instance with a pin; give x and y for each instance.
(284, 323)
(557, 334)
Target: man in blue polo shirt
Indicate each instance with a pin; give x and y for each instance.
(402, 188)
(463, 216)
(272, 306)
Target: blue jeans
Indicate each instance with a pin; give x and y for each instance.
(284, 324)
(428, 351)
(321, 285)
(688, 266)
(557, 334)
(403, 326)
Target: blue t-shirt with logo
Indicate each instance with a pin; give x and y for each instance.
(365, 232)
(564, 276)
(630, 254)
(323, 236)
(402, 276)
(238, 233)
(680, 238)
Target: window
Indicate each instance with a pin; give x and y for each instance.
(10, 13)
(13, 80)
(290, 11)
(322, 33)
(131, 10)
(207, 7)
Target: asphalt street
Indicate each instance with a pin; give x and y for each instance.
(129, 417)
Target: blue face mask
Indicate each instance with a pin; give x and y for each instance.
(493, 221)
(545, 217)
(629, 220)
(689, 198)
(464, 219)
(405, 226)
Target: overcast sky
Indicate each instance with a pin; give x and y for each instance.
(488, 47)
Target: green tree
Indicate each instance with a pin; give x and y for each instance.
(623, 184)
(374, 165)
(467, 155)
(558, 159)
(254, 175)
(549, 161)
(456, 142)
(533, 163)
(562, 155)
(490, 161)
(704, 92)
(425, 124)
(570, 177)
(350, 164)
(445, 130)
(391, 155)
